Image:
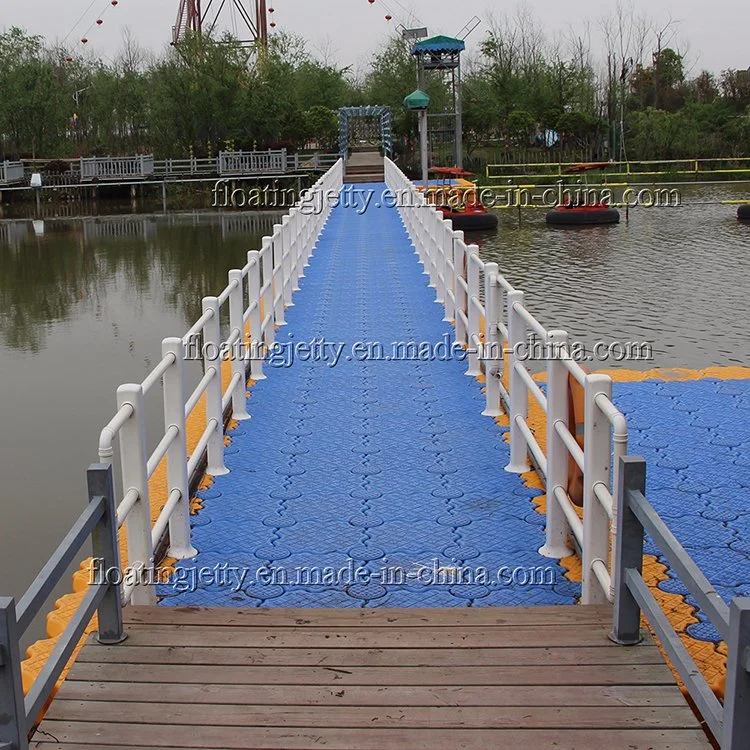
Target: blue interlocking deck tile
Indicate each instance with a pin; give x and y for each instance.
(381, 465)
(698, 475)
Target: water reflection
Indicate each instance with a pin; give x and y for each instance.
(57, 269)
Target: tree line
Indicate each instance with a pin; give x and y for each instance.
(525, 94)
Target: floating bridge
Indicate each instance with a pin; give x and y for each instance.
(353, 541)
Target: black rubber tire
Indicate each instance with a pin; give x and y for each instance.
(743, 212)
(474, 222)
(571, 218)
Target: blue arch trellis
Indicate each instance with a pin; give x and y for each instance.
(386, 125)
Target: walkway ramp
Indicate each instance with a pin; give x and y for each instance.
(379, 464)
(365, 165)
(539, 677)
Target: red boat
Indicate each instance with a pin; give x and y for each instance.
(573, 213)
(459, 202)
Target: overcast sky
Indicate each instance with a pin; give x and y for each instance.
(716, 32)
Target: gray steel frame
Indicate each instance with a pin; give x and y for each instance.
(18, 713)
(730, 723)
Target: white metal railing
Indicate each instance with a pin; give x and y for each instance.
(494, 328)
(256, 297)
(11, 171)
(116, 167)
(244, 162)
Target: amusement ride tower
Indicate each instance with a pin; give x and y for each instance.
(202, 16)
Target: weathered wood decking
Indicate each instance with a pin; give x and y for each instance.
(369, 679)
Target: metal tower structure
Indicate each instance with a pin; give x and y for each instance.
(202, 16)
(440, 57)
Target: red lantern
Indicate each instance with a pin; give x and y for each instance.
(273, 25)
(271, 10)
(114, 3)
(389, 18)
(84, 41)
(372, 2)
(99, 22)
(68, 59)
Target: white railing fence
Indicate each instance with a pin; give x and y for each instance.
(120, 167)
(256, 298)
(244, 162)
(10, 172)
(495, 328)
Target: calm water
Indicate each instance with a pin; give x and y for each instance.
(678, 278)
(84, 305)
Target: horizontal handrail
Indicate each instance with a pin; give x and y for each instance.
(161, 449)
(730, 723)
(98, 522)
(530, 320)
(680, 562)
(160, 527)
(52, 573)
(571, 443)
(110, 432)
(198, 326)
(157, 373)
(200, 389)
(127, 505)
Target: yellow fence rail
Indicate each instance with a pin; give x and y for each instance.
(628, 169)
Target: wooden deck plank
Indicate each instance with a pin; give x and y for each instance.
(648, 674)
(478, 617)
(134, 651)
(407, 717)
(364, 695)
(200, 679)
(126, 735)
(378, 637)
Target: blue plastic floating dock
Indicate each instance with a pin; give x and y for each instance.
(697, 446)
(368, 483)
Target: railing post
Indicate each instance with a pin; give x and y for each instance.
(450, 279)
(134, 463)
(626, 624)
(597, 464)
(268, 305)
(459, 273)
(256, 317)
(13, 734)
(310, 228)
(278, 275)
(430, 247)
(294, 249)
(445, 227)
(180, 546)
(519, 395)
(300, 233)
(557, 530)
(474, 331)
(237, 324)
(287, 262)
(106, 553)
(214, 413)
(737, 700)
(493, 343)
